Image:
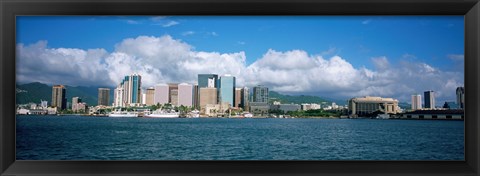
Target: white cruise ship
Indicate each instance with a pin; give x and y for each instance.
(162, 114)
(123, 114)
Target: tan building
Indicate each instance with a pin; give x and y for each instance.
(208, 95)
(103, 96)
(238, 97)
(59, 97)
(368, 105)
(173, 93)
(185, 95)
(149, 96)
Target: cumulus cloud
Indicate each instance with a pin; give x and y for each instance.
(38, 63)
(165, 59)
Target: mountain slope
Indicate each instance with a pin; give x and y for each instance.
(298, 99)
(34, 92)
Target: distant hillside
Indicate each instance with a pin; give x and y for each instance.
(34, 92)
(298, 99)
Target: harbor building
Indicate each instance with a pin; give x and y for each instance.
(460, 97)
(429, 99)
(245, 100)
(149, 96)
(227, 90)
(238, 98)
(368, 105)
(208, 95)
(260, 94)
(416, 102)
(185, 95)
(449, 114)
(59, 97)
(173, 93)
(161, 94)
(104, 96)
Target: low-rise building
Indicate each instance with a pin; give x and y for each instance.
(259, 108)
(312, 106)
(211, 110)
(285, 107)
(368, 105)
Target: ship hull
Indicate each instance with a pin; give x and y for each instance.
(162, 116)
(123, 115)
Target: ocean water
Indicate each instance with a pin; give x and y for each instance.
(104, 138)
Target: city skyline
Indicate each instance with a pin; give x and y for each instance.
(419, 54)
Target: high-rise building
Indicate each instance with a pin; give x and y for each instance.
(103, 96)
(245, 99)
(238, 97)
(185, 94)
(196, 97)
(76, 100)
(149, 96)
(59, 97)
(75, 103)
(173, 93)
(260, 94)
(118, 94)
(416, 102)
(207, 80)
(461, 97)
(161, 94)
(130, 89)
(208, 95)
(227, 90)
(429, 99)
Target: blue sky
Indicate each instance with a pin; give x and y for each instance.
(367, 43)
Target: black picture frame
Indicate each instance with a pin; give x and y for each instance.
(11, 8)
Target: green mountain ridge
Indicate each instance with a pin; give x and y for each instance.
(35, 92)
(299, 99)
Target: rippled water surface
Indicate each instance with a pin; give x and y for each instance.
(104, 138)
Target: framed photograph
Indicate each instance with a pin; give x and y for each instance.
(239, 88)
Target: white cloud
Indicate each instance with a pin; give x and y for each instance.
(456, 57)
(381, 63)
(158, 18)
(188, 33)
(165, 59)
(241, 43)
(38, 63)
(133, 22)
(368, 21)
(170, 23)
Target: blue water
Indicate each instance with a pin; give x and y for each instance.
(104, 138)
